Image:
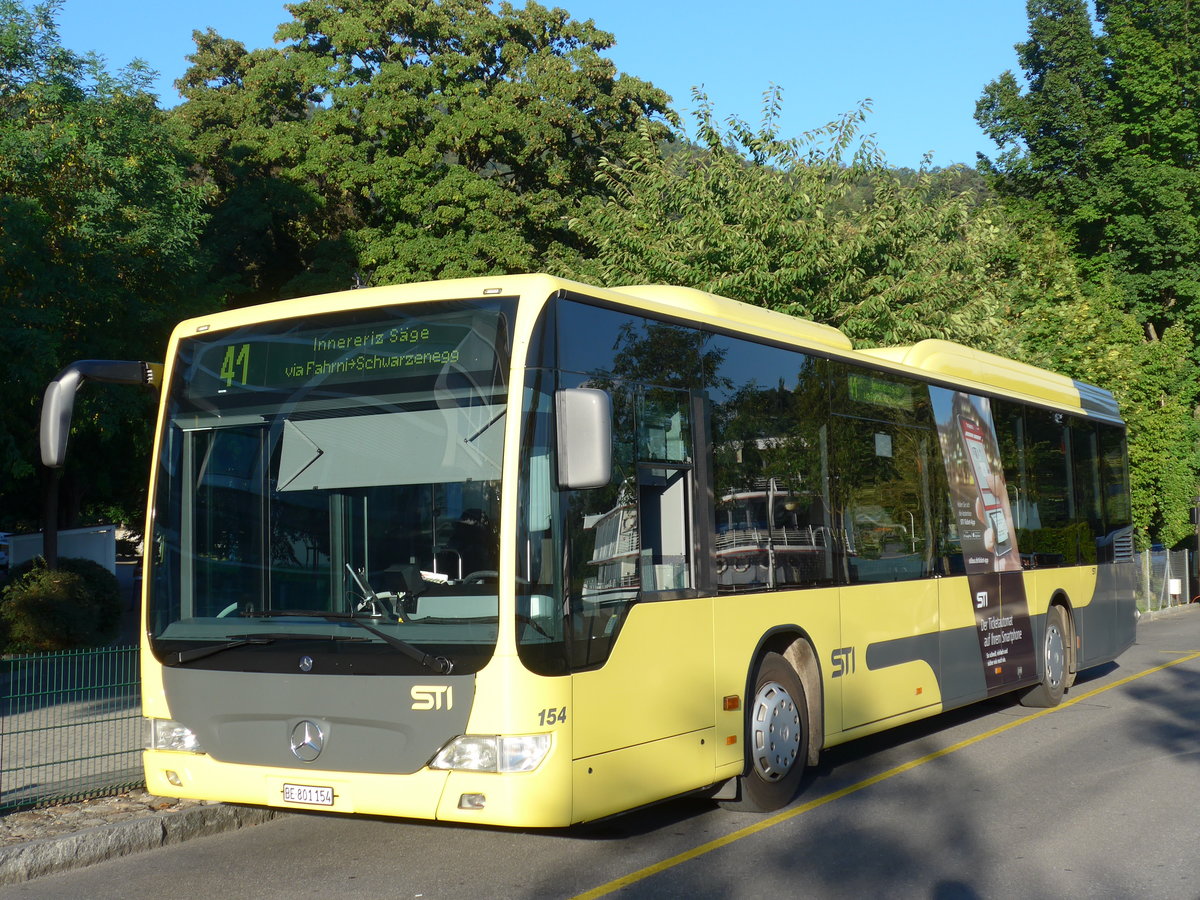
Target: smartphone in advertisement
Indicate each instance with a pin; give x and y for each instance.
(993, 508)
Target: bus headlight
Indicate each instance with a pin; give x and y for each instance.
(165, 734)
(493, 753)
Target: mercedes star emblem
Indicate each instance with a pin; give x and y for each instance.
(307, 741)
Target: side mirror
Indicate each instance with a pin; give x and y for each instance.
(58, 403)
(584, 438)
(57, 406)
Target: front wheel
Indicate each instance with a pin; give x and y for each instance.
(777, 735)
(1054, 662)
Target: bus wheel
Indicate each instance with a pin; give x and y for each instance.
(777, 738)
(1054, 662)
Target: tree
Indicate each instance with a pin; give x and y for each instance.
(98, 236)
(1101, 143)
(1104, 135)
(786, 224)
(406, 140)
(1082, 332)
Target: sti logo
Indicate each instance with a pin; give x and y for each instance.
(432, 696)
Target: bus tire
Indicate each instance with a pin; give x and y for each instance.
(776, 739)
(1053, 662)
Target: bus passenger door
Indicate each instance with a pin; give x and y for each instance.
(642, 643)
(889, 655)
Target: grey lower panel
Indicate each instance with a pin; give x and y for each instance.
(955, 656)
(962, 678)
(1108, 625)
(385, 724)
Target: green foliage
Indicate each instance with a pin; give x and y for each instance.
(1081, 331)
(392, 140)
(98, 249)
(1163, 435)
(74, 606)
(1104, 135)
(888, 257)
(1100, 144)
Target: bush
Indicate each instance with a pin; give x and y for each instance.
(76, 605)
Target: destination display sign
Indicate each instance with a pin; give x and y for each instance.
(268, 358)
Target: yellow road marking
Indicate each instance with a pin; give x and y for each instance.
(779, 818)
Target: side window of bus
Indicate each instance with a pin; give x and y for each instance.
(664, 489)
(1089, 512)
(1047, 535)
(604, 542)
(1116, 545)
(632, 539)
(769, 414)
(607, 344)
(891, 499)
(1009, 419)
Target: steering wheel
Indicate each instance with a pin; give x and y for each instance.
(481, 576)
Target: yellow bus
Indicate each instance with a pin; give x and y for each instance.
(519, 551)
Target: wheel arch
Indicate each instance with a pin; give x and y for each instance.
(794, 644)
(1061, 599)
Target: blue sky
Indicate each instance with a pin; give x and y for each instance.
(923, 63)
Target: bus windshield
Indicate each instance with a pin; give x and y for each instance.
(319, 473)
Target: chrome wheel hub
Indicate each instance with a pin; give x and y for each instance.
(1055, 656)
(775, 731)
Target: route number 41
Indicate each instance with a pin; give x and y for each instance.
(236, 362)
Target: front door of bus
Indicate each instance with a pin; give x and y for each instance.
(643, 710)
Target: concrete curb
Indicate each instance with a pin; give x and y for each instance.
(21, 862)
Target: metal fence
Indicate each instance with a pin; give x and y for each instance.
(70, 726)
(1166, 580)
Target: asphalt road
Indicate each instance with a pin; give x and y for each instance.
(1098, 798)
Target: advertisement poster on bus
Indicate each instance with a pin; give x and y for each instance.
(986, 532)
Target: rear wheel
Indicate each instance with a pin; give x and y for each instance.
(1054, 662)
(777, 738)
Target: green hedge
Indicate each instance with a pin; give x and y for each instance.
(75, 605)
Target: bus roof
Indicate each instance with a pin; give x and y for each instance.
(738, 316)
(963, 364)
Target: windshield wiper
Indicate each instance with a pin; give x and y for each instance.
(441, 664)
(242, 640)
(187, 656)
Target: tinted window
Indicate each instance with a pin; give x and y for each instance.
(892, 503)
(773, 524)
(1117, 543)
(1089, 511)
(606, 548)
(605, 343)
(1114, 478)
(1049, 537)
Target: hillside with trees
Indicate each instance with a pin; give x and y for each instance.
(403, 140)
